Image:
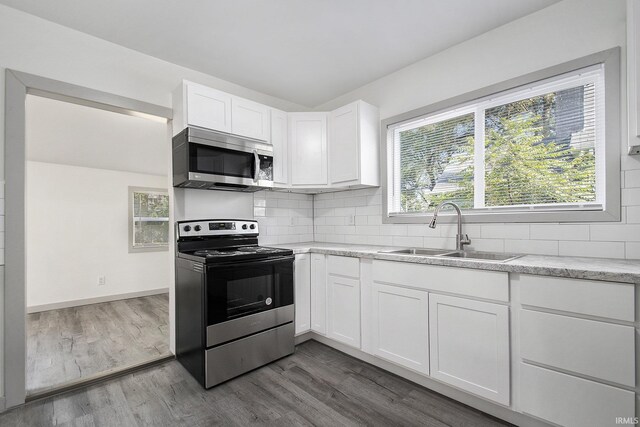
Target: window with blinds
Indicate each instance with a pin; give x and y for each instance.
(534, 148)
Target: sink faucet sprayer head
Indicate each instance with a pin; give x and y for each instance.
(432, 224)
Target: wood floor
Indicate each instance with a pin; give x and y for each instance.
(315, 386)
(76, 343)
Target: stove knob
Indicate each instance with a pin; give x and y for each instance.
(244, 226)
(197, 228)
(252, 226)
(187, 228)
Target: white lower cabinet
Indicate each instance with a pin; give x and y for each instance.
(469, 345)
(319, 294)
(399, 326)
(302, 295)
(343, 309)
(571, 401)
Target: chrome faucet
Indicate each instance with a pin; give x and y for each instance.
(461, 239)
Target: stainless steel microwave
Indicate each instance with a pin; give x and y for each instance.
(213, 160)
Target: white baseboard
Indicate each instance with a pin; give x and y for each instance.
(96, 300)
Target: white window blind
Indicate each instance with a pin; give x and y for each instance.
(533, 148)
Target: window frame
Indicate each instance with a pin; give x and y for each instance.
(151, 248)
(611, 208)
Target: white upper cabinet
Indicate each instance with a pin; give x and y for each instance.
(250, 119)
(308, 149)
(312, 151)
(354, 145)
(207, 108)
(280, 142)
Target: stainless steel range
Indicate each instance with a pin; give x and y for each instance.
(234, 299)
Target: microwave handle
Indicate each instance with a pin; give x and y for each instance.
(256, 165)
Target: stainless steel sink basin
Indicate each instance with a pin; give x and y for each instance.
(418, 251)
(485, 256)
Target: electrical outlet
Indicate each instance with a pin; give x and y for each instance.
(351, 220)
(102, 280)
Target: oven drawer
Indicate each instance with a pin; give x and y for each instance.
(247, 325)
(235, 358)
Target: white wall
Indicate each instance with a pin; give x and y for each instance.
(77, 230)
(559, 33)
(36, 46)
(80, 163)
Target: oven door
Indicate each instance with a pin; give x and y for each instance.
(248, 297)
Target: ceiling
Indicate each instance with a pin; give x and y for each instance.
(304, 51)
(71, 134)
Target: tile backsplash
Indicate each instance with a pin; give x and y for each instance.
(355, 216)
(283, 217)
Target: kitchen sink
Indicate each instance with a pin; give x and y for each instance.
(485, 256)
(418, 251)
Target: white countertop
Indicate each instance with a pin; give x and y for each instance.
(605, 269)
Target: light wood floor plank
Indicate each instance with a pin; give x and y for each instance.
(69, 344)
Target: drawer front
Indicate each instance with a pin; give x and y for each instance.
(603, 299)
(570, 401)
(237, 357)
(465, 281)
(597, 349)
(343, 266)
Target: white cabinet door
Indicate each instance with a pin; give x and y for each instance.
(308, 142)
(400, 326)
(208, 108)
(250, 119)
(343, 308)
(344, 145)
(469, 345)
(319, 294)
(280, 142)
(303, 293)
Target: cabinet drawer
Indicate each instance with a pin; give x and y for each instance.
(597, 349)
(603, 299)
(343, 266)
(466, 281)
(570, 401)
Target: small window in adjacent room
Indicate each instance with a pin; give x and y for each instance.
(148, 219)
(535, 152)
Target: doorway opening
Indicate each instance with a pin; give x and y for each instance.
(97, 242)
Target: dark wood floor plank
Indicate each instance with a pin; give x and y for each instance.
(316, 386)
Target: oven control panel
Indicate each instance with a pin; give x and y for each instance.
(216, 227)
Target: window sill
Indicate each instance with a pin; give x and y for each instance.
(509, 217)
(133, 250)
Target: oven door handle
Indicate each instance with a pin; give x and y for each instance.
(251, 262)
(256, 165)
